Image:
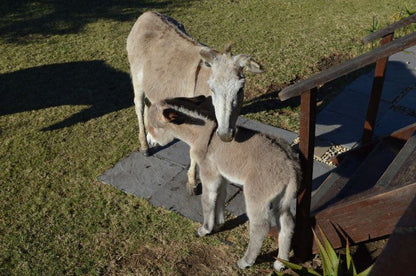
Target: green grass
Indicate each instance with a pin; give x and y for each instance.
(66, 115)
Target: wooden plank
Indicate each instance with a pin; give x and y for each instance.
(365, 219)
(358, 179)
(303, 235)
(348, 67)
(404, 133)
(361, 150)
(375, 96)
(398, 256)
(390, 29)
(407, 172)
(403, 165)
(336, 180)
(364, 180)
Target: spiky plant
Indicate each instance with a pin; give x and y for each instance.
(332, 264)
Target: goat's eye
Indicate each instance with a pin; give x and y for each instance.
(213, 91)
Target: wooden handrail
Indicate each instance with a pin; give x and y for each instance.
(348, 67)
(390, 29)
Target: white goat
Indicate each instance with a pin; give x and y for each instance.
(267, 169)
(165, 63)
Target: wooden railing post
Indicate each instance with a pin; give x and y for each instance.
(302, 242)
(376, 91)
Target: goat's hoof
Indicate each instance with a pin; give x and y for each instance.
(242, 264)
(202, 232)
(146, 152)
(278, 266)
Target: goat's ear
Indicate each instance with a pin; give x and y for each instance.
(208, 55)
(173, 116)
(198, 100)
(249, 64)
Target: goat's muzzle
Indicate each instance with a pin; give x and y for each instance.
(228, 136)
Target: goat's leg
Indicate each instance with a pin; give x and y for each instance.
(191, 185)
(287, 226)
(220, 206)
(210, 187)
(151, 142)
(139, 106)
(259, 228)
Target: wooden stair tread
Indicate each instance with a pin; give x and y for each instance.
(401, 245)
(373, 212)
(336, 180)
(364, 219)
(402, 170)
(357, 175)
(372, 168)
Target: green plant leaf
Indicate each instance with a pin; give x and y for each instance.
(365, 272)
(337, 268)
(350, 264)
(298, 268)
(329, 249)
(328, 269)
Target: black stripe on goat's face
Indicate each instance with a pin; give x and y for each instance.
(161, 117)
(177, 117)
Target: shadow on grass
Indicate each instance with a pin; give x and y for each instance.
(28, 17)
(269, 101)
(91, 83)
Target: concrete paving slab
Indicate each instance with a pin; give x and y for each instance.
(407, 58)
(392, 121)
(354, 105)
(391, 87)
(338, 129)
(177, 152)
(237, 206)
(409, 100)
(173, 196)
(140, 175)
(320, 173)
(268, 130)
(400, 72)
(321, 147)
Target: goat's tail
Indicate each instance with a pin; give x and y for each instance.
(289, 193)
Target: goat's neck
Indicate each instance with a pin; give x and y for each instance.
(201, 80)
(196, 136)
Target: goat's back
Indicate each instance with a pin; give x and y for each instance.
(168, 59)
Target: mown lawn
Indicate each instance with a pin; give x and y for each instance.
(66, 115)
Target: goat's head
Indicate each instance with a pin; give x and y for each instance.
(163, 115)
(227, 86)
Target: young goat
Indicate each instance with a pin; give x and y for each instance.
(267, 169)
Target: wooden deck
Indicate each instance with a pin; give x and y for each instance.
(366, 196)
(399, 255)
(368, 204)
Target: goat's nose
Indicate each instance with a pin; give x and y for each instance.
(228, 136)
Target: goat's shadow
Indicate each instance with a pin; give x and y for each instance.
(93, 83)
(268, 101)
